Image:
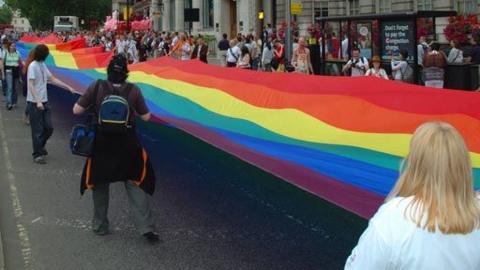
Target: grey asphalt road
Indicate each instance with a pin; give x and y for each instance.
(212, 210)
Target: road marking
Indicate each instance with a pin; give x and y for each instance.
(37, 219)
(22, 232)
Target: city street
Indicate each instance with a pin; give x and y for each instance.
(212, 210)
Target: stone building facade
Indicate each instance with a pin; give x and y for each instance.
(325, 8)
(215, 16)
(240, 16)
(20, 24)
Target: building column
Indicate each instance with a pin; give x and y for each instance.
(166, 16)
(222, 23)
(155, 15)
(179, 20)
(247, 16)
(268, 10)
(198, 26)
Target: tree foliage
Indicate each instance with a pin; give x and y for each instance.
(41, 12)
(5, 15)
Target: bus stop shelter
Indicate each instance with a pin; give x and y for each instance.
(376, 34)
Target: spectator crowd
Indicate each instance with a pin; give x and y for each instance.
(267, 52)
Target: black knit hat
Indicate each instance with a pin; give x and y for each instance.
(118, 69)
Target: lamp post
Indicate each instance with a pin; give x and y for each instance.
(288, 37)
(261, 17)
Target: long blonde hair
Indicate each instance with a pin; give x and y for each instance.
(438, 174)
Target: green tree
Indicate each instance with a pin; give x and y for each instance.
(41, 12)
(5, 15)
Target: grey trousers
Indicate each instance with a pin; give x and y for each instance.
(139, 202)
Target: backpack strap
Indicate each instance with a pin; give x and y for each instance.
(92, 109)
(402, 73)
(458, 54)
(128, 91)
(234, 55)
(93, 100)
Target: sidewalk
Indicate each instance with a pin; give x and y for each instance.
(2, 259)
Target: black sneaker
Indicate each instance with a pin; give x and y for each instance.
(151, 237)
(44, 152)
(9, 107)
(39, 160)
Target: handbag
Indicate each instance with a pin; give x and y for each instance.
(289, 67)
(82, 137)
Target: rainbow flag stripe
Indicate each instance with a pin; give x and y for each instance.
(342, 139)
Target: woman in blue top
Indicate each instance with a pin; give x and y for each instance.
(11, 62)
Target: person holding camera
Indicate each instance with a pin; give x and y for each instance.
(357, 66)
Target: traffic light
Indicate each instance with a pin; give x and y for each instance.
(261, 15)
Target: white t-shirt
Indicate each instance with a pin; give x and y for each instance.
(360, 66)
(132, 51)
(174, 41)
(39, 73)
(122, 45)
(233, 54)
(455, 56)
(421, 49)
(186, 48)
(380, 74)
(399, 68)
(344, 48)
(392, 241)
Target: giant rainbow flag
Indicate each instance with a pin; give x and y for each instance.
(342, 139)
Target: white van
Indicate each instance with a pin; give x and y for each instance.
(65, 23)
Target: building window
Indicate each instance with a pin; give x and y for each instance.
(424, 5)
(207, 13)
(22, 21)
(187, 4)
(321, 9)
(384, 6)
(354, 7)
(466, 7)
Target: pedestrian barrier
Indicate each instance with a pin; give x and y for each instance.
(342, 139)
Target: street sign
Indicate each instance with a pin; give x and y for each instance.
(296, 8)
(397, 36)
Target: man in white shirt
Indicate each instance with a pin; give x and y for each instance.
(422, 48)
(121, 45)
(132, 51)
(37, 102)
(344, 48)
(233, 54)
(174, 39)
(358, 65)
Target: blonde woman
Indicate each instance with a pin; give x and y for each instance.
(431, 218)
